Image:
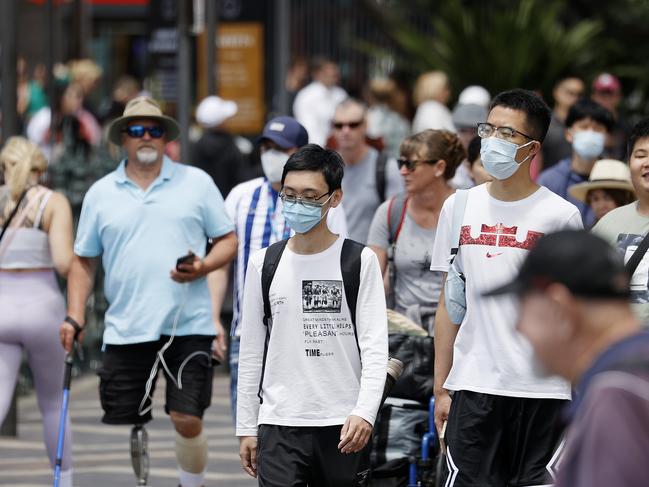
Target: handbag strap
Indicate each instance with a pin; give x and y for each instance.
(20, 218)
(634, 261)
(13, 214)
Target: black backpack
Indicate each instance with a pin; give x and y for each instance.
(350, 266)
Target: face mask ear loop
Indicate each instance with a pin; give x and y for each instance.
(521, 147)
(326, 212)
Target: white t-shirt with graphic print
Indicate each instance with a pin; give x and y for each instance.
(489, 355)
(313, 374)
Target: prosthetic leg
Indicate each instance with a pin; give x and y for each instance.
(140, 454)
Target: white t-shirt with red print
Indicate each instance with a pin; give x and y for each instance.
(489, 355)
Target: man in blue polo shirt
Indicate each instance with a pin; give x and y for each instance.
(256, 211)
(140, 219)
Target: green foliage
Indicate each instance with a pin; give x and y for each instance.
(497, 44)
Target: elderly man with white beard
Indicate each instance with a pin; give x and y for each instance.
(150, 221)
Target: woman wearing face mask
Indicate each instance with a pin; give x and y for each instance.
(404, 227)
(36, 244)
(608, 187)
(588, 125)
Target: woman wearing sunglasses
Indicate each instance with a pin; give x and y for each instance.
(404, 227)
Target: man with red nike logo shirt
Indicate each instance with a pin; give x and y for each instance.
(509, 428)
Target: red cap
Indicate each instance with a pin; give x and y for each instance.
(606, 82)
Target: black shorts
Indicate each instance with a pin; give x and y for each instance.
(306, 455)
(126, 369)
(497, 441)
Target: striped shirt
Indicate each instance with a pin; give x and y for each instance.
(256, 211)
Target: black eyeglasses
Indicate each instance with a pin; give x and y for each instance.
(138, 131)
(351, 125)
(486, 130)
(410, 165)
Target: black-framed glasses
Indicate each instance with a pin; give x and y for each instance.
(410, 165)
(138, 131)
(307, 200)
(486, 130)
(351, 125)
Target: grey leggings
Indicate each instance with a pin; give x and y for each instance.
(31, 309)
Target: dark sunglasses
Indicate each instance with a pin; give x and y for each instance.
(351, 125)
(410, 165)
(138, 131)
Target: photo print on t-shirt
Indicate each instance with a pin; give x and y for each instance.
(322, 296)
(627, 243)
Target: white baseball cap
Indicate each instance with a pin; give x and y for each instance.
(213, 111)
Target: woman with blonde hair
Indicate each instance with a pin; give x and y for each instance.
(403, 229)
(35, 242)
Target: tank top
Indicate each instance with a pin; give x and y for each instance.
(27, 247)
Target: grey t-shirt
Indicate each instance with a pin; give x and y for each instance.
(361, 198)
(624, 228)
(416, 288)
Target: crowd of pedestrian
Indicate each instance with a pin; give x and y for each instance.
(466, 220)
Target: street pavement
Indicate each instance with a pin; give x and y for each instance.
(101, 453)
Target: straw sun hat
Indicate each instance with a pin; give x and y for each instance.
(142, 107)
(606, 174)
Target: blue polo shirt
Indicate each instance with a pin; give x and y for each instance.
(139, 235)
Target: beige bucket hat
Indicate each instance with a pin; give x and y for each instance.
(606, 174)
(142, 107)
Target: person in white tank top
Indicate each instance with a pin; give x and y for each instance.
(35, 246)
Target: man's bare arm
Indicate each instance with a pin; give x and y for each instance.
(81, 279)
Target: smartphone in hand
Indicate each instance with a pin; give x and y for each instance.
(185, 259)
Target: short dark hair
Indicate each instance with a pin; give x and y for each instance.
(312, 157)
(473, 151)
(537, 112)
(639, 131)
(587, 108)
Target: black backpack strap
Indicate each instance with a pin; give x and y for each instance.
(350, 267)
(636, 258)
(271, 261)
(381, 163)
(396, 214)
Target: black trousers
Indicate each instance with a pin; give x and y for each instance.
(289, 456)
(498, 441)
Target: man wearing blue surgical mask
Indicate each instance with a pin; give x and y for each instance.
(256, 210)
(502, 419)
(313, 365)
(587, 125)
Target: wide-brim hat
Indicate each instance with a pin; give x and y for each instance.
(142, 107)
(606, 174)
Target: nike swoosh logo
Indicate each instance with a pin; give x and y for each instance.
(491, 256)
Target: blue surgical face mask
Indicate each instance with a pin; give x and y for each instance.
(588, 144)
(497, 156)
(303, 218)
